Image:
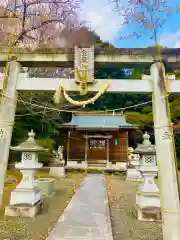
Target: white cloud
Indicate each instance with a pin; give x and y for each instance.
(101, 18)
(171, 40)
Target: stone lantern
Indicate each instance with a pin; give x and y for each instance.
(147, 196)
(25, 199)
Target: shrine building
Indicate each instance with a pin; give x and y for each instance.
(98, 139)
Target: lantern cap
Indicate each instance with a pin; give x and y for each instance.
(146, 147)
(30, 145)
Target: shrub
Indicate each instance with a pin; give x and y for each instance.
(178, 163)
(147, 109)
(46, 157)
(14, 157)
(46, 143)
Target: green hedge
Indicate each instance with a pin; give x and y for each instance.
(14, 157)
(46, 143)
(178, 163)
(46, 157)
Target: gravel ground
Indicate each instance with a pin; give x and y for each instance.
(121, 198)
(13, 228)
(124, 224)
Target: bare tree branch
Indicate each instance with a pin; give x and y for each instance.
(147, 14)
(31, 18)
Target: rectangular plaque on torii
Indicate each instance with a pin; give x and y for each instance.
(84, 61)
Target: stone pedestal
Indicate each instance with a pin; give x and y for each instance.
(147, 197)
(25, 200)
(133, 174)
(145, 211)
(57, 171)
(25, 196)
(147, 206)
(23, 210)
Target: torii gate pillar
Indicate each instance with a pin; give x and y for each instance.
(168, 184)
(7, 115)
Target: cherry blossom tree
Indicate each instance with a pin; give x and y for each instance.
(45, 24)
(149, 15)
(35, 22)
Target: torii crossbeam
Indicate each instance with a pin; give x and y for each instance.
(116, 85)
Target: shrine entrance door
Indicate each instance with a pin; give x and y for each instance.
(97, 151)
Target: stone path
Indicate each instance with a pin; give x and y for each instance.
(87, 215)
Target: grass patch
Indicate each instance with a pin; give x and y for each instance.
(37, 229)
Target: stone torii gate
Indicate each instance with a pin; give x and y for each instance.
(84, 57)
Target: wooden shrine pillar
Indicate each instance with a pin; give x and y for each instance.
(86, 149)
(107, 149)
(127, 139)
(68, 146)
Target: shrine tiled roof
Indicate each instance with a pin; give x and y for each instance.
(99, 122)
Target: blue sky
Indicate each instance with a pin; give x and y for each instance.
(108, 25)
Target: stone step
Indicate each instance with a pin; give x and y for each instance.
(96, 165)
(97, 162)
